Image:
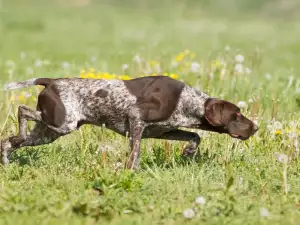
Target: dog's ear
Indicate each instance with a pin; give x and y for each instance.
(213, 111)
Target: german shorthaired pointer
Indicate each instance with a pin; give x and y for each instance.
(146, 107)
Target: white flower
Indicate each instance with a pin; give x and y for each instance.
(125, 67)
(93, 59)
(137, 59)
(200, 200)
(248, 71)
(65, 65)
(188, 213)
(127, 211)
(264, 212)
(242, 104)
(38, 63)
(227, 48)
(22, 55)
(283, 158)
(277, 125)
(195, 67)
(174, 64)
(239, 58)
(268, 76)
(10, 63)
(29, 70)
(238, 68)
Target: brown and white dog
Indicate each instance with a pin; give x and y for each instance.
(146, 107)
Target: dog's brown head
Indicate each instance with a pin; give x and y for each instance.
(224, 117)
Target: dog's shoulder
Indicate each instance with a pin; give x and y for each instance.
(157, 96)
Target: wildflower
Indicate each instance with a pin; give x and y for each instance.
(125, 67)
(180, 57)
(268, 76)
(93, 59)
(188, 213)
(195, 67)
(227, 48)
(38, 63)
(137, 59)
(127, 211)
(238, 68)
(125, 77)
(174, 76)
(10, 63)
(242, 104)
(248, 71)
(22, 55)
(239, 58)
(283, 158)
(65, 65)
(174, 64)
(264, 212)
(200, 200)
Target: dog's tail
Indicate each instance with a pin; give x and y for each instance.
(23, 84)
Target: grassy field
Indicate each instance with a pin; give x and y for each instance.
(244, 51)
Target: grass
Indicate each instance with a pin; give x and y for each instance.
(74, 180)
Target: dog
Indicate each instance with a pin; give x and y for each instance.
(146, 107)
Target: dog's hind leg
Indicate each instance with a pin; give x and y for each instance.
(39, 135)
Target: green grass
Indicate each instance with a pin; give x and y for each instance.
(73, 181)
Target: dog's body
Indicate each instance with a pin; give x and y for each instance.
(148, 107)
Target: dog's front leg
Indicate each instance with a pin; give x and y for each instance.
(137, 127)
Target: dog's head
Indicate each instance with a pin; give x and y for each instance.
(224, 117)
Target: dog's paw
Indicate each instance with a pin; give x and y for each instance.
(189, 151)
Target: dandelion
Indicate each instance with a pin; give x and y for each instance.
(264, 212)
(38, 63)
(180, 57)
(268, 76)
(188, 213)
(174, 76)
(195, 67)
(10, 63)
(65, 65)
(248, 71)
(200, 200)
(22, 55)
(93, 59)
(227, 48)
(242, 104)
(137, 59)
(125, 67)
(239, 58)
(282, 158)
(238, 68)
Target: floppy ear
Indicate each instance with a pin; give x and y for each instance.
(213, 111)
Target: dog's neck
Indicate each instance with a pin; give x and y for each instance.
(193, 101)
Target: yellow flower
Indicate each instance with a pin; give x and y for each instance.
(107, 76)
(192, 55)
(153, 62)
(21, 98)
(165, 74)
(180, 57)
(278, 132)
(125, 77)
(174, 76)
